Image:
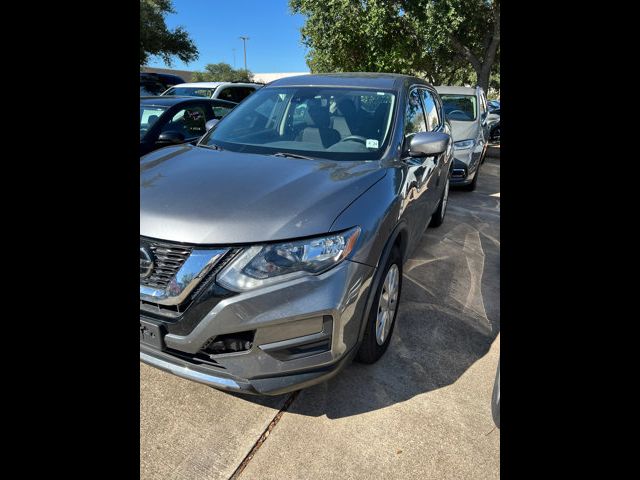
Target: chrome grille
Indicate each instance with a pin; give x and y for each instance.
(168, 258)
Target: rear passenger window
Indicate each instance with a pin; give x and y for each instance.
(243, 92)
(226, 94)
(235, 94)
(414, 120)
(431, 111)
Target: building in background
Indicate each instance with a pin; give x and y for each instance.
(257, 77)
(270, 77)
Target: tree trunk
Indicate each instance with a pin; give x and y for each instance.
(484, 76)
(482, 66)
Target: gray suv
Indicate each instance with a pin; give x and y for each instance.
(271, 251)
(466, 110)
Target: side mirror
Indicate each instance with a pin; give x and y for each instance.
(427, 144)
(211, 123)
(171, 138)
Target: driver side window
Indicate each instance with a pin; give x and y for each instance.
(189, 121)
(414, 121)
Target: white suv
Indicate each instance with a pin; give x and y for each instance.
(231, 91)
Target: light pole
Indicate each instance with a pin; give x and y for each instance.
(244, 43)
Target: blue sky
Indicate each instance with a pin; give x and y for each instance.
(215, 25)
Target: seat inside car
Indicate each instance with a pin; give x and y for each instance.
(379, 121)
(339, 120)
(346, 122)
(318, 130)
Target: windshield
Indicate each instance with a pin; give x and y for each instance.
(333, 123)
(460, 107)
(191, 91)
(148, 116)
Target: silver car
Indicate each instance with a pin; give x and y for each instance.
(271, 251)
(466, 110)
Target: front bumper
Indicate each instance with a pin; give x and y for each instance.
(303, 332)
(460, 174)
(223, 381)
(466, 163)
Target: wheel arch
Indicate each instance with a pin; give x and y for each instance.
(399, 238)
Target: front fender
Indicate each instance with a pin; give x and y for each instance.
(377, 212)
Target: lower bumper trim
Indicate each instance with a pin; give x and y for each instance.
(258, 386)
(189, 374)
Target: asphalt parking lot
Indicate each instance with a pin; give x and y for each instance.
(423, 411)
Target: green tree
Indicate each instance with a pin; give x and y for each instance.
(468, 28)
(445, 41)
(222, 72)
(157, 40)
(354, 35)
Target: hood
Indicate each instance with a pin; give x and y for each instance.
(195, 195)
(463, 130)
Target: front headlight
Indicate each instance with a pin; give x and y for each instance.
(463, 144)
(267, 264)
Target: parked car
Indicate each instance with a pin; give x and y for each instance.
(493, 120)
(231, 91)
(156, 83)
(150, 85)
(173, 120)
(466, 109)
(493, 105)
(167, 79)
(272, 250)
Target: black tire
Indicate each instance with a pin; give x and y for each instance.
(370, 351)
(495, 398)
(472, 186)
(438, 216)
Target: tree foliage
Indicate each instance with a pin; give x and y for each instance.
(157, 40)
(352, 35)
(445, 41)
(470, 29)
(222, 72)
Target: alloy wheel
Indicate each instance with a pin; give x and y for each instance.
(387, 304)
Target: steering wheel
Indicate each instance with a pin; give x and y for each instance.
(354, 138)
(457, 111)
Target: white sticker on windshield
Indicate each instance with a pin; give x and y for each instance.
(372, 143)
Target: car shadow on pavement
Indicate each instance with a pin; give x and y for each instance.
(449, 313)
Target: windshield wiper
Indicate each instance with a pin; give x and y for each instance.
(291, 155)
(210, 147)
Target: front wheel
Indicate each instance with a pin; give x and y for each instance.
(383, 312)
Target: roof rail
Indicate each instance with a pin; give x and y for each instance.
(247, 81)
